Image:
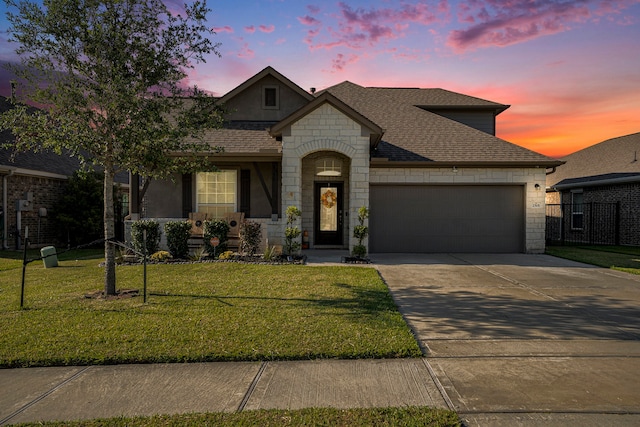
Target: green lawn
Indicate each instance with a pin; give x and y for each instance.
(623, 258)
(407, 416)
(195, 312)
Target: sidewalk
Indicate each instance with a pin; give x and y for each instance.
(76, 393)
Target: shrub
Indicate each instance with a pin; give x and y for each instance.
(250, 237)
(198, 254)
(78, 213)
(160, 256)
(178, 233)
(360, 232)
(215, 228)
(270, 252)
(226, 255)
(152, 228)
(292, 232)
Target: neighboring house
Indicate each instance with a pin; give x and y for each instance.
(31, 186)
(425, 161)
(595, 196)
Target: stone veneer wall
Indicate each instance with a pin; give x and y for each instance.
(534, 199)
(325, 129)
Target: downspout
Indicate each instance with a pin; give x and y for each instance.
(5, 206)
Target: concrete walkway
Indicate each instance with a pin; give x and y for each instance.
(73, 393)
(508, 340)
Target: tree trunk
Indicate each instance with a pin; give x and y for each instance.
(109, 234)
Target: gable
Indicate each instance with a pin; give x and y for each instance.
(268, 96)
(327, 102)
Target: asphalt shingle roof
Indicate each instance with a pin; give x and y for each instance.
(610, 159)
(45, 161)
(243, 137)
(414, 134)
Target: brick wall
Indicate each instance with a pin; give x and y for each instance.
(628, 195)
(46, 192)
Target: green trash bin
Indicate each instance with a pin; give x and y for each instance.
(49, 256)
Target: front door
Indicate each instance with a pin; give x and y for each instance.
(328, 213)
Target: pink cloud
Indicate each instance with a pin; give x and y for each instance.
(313, 9)
(267, 28)
(225, 29)
(341, 61)
(503, 23)
(250, 29)
(360, 27)
(308, 20)
(245, 51)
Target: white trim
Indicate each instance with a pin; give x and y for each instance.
(31, 172)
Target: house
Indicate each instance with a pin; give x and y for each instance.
(31, 183)
(595, 196)
(425, 161)
(31, 186)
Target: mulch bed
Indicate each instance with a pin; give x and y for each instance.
(120, 294)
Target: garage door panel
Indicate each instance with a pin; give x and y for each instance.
(446, 218)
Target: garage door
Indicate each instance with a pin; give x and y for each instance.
(446, 218)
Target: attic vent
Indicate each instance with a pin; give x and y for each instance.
(328, 167)
(270, 97)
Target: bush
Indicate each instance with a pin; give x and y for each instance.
(250, 237)
(152, 228)
(160, 256)
(292, 232)
(360, 232)
(215, 228)
(78, 213)
(178, 233)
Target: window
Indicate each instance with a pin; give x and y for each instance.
(328, 167)
(270, 97)
(216, 193)
(577, 210)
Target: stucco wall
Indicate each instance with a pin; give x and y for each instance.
(534, 198)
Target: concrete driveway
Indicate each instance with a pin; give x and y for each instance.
(524, 339)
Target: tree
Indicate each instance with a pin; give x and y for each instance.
(78, 213)
(109, 75)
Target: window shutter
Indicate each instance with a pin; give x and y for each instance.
(187, 191)
(245, 192)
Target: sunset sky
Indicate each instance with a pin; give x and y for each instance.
(569, 69)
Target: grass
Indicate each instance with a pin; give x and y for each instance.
(408, 416)
(622, 258)
(195, 313)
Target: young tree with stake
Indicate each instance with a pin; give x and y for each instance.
(109, 76)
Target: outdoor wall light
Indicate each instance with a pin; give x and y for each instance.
(455, 170)
(537, 187)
